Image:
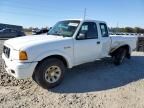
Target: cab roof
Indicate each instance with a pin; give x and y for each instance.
(83, 20)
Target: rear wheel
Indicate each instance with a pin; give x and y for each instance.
(49, 73)
(119, 56)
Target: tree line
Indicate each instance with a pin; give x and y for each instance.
(127, 30)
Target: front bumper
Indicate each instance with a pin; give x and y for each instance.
(19, 70)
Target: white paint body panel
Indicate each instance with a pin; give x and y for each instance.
(74, 51)
(118, 41)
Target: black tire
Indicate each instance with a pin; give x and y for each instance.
(128, 56)
(41, 71)
(119, 56)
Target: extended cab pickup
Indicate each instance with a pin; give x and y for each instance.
(69, 43)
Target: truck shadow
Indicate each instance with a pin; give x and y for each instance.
(101, 75)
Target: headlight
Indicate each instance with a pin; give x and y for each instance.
(23, 55)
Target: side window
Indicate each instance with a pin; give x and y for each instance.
(89, 29)
(104, 30)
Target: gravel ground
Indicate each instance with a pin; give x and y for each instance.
(94, 85)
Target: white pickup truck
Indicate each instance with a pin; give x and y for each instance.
(69, 43)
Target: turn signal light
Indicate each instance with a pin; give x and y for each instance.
(23, 55)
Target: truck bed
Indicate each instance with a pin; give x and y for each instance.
(118, 40)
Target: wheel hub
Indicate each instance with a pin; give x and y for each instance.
(52, 74)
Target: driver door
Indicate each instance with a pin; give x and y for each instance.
(87, 44)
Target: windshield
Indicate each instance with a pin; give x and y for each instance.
(64, 28)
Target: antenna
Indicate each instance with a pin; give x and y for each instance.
(85, 13)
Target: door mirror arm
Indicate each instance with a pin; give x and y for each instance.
(81, 36)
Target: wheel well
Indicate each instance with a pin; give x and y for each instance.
(57, 57)
(52, 56)
(125, 47)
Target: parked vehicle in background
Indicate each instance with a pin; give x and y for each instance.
(69, 43)
(40, 31)
(35, 30)
(15, 27)
(10, 33)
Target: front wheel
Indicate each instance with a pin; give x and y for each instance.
(119, 56)
(49, 73)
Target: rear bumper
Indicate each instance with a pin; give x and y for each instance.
(19, 70)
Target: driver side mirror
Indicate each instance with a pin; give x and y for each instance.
(81, 36)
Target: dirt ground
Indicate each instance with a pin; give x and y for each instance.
(94, 85)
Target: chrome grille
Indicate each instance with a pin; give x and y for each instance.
(6, 51)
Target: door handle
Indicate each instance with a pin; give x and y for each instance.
(98, 42)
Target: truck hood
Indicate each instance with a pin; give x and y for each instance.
(26, 41)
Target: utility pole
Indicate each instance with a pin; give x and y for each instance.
(85, 13)
(117, 24)
(117, 27)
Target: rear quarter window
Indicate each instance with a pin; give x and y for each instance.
(104, 30)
